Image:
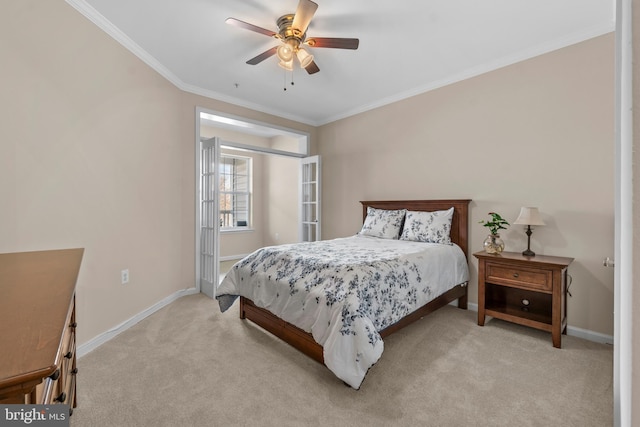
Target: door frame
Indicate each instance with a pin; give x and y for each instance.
(624, 223)
(243, 125)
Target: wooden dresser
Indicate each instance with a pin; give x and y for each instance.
(37, 327)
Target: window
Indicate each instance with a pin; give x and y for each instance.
(235, 192)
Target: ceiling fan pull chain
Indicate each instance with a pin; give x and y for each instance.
(285, 79)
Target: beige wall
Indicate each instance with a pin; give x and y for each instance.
(98, 151)
(282, 189)
(537, 133)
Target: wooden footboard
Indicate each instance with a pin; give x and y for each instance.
(304, 341)
(289, 333)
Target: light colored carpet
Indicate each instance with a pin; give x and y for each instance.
(190, 365)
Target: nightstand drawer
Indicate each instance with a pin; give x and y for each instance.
(525, 278)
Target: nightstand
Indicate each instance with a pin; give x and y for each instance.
(530, 291)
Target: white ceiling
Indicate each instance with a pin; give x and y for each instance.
(406, 47)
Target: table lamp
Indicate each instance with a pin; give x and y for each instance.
(529, 216)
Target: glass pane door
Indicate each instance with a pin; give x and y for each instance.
(310, 199)
(209, 217)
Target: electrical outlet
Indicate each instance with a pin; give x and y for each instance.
(124, 276)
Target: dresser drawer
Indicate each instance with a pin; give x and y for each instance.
(521, 277)
(67, 346)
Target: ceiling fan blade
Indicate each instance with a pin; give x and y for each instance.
(312, 68)
(264, 55)
(303, 16)
(241, 24)
(337, 43)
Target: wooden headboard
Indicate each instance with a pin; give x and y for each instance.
(459, 223)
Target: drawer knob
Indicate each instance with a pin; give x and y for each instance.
(69, 355)
(74, 325)
(62, 397)
(74, 371)
(55, 375)
(516, 275)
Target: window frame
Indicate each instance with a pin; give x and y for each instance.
(233, 193)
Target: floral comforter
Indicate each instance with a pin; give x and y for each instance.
(344, 291)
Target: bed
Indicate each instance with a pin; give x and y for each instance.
(336, 300)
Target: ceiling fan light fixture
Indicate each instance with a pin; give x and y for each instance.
(304, 57)
(285, 52)
(287, 65)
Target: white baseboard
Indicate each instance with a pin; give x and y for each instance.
(571, 330)
(112, 333)
(232, 257)
(589, 335)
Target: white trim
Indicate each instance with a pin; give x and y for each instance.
(589, 335)
(232, 257)
(242, 103)
(571, 330)
(254, 127)
(624, 223)
(231, 230)
(94, 16)
(105, 25)
(254, 148)
(97, 341)
(197, 168)
(479, 70)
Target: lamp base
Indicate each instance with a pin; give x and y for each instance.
(528, 252)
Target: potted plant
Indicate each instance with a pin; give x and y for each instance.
(493, 244)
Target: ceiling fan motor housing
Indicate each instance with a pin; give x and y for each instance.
(287, 33)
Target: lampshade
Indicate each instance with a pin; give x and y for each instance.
(285, 52)
(304, 57)
(287, 65)
(529, 216)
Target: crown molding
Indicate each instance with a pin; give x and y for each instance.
(101, 22)
(505, 61)
(114, 32)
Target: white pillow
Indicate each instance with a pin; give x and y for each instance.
(430, 227)
(383, 223)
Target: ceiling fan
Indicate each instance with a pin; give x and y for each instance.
(292, 30)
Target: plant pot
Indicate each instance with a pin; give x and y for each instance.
(493, 244)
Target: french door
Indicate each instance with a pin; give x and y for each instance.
(310, 192)
(209, 216)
